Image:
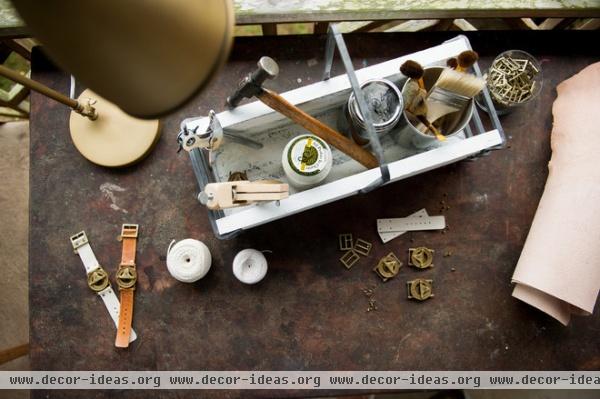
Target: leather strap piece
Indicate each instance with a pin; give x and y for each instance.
(126, 279)
(125, 319)
(97, 277)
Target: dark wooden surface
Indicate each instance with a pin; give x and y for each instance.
(309, 313)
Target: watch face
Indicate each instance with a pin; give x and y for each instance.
(97, 279)
(126, 276)
(420, 289)
(421, 257)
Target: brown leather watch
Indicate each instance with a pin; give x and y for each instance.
(126, 279)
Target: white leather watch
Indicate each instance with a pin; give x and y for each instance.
(97, 277)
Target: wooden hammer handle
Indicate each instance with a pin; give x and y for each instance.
(318, 128)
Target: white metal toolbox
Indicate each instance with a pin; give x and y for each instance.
(324, 100)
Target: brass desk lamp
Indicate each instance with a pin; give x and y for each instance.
(142, 59)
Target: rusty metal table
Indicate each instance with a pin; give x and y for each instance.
(310, 312)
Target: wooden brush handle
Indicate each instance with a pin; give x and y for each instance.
(318, 128)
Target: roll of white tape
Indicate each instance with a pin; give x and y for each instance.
(250, 266)
(188, 260)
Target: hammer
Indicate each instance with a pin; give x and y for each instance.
(251, 86)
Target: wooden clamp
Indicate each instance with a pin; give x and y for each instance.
(237, 193)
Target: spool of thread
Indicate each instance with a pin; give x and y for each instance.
(188, 260)
(250, 266)
(307, 160)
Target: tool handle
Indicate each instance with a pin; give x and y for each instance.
(233, 100)
(318, 128)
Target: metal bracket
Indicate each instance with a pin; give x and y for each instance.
(210, 138)
(334, 37)
(493, 115)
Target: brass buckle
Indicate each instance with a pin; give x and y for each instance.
(420, 257)
(388, 267)
(78, 240)
(126, 277)
(420, 289)
(129, 230)
(362, 247)
(345, 241)
(97, 279)
(349, 259)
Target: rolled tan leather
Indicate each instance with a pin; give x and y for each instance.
(559, 269)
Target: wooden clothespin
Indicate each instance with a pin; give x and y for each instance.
(237, 193)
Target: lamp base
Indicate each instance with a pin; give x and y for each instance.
(114, 139)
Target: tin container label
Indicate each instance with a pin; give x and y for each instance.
(307, 155)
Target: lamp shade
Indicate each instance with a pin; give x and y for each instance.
(147, 57)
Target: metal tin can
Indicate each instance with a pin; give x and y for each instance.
(307, 160)
(385, 103)
(425, 140)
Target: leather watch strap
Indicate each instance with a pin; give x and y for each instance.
(97, 277)
(126, 279)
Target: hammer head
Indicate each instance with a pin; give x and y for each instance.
(251, 84)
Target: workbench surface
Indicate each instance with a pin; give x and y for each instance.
(309, 313)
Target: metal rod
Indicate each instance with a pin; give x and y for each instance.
(33, 85)
(84, 109)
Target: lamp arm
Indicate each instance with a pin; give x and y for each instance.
(84, 108)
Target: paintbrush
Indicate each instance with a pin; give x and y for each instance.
(463, 61)
(452, 62)
(452, 92)
(413, 70)
(414, 98)
(414, 93)
(466, 59)
(429, 125)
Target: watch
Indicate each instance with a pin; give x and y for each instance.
(97, 278)
(126, 279)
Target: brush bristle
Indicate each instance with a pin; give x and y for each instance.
(452, 63)
(467, 58)
(412, 69)
(460, 83)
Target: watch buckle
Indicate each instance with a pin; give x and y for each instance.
(126, 276)
(129, 230)
(97, 279)
(78, 240)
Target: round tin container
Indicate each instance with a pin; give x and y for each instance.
(306, 160)
(385, 103)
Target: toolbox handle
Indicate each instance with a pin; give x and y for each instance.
(334, 37)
